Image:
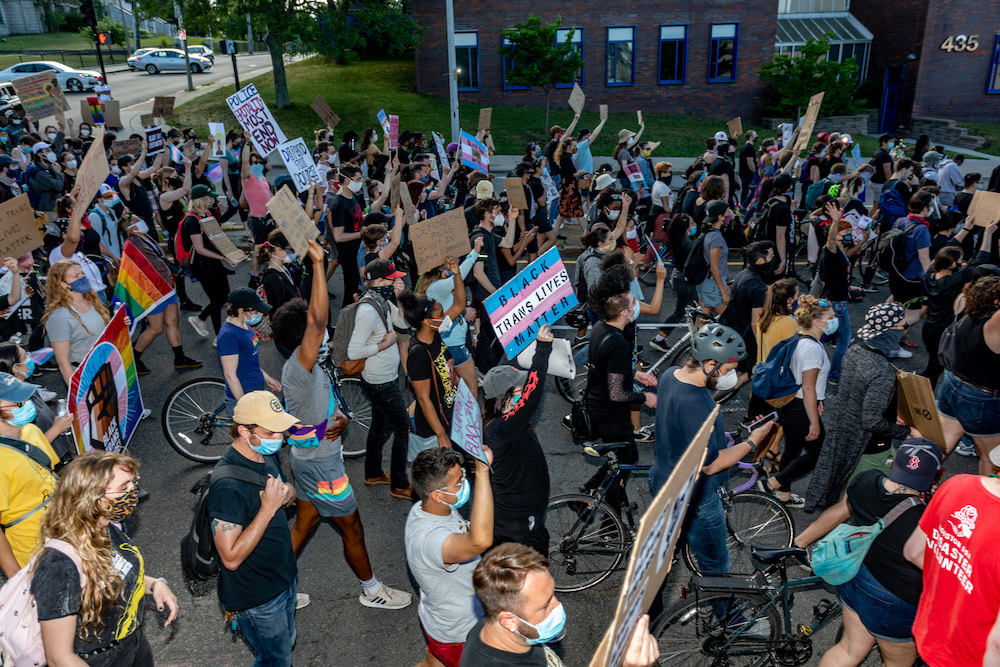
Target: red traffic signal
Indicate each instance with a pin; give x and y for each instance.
(104, 39)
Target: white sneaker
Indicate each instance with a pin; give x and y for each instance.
(46, 395)
(200, 327)
(302, 600)
(900, 353)
(386, 598)
(145, 413)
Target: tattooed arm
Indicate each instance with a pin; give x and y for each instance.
(235, 543)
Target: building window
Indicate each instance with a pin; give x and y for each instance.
(577, 42)
(467, 60)
(508, 64)
(673, 53)
(722, 57)
(621, 64)
(993, 87)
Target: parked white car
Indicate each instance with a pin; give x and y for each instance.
(166, 60)
(73, 80)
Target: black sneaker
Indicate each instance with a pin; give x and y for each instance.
(140, 368)
(187, 362)
(567, 423)
(659, 345)
(190, 306)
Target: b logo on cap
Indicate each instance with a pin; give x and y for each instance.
(914, 463)
(276, 405)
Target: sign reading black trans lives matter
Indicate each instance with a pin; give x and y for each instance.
(256, 119)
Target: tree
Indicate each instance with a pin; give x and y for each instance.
(793, 80)
(536, 59)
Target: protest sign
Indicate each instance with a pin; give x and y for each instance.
(515, 195)
(112, 113)
(292, 220)
(91, 111)
(808, 123)
(474, 153)
(856, 156)
(985, 207)
(393, 132)
(324, 112)
(540, 294)
(299, 162)
(638, 113)
(126, 147)
(147, 119)
(442, 153)
(561, 362)
(40, 95)
(407, 202)
(256, 119)
(140, 288)
(154, 140)
(467, 423)
(577, 99)
(104, 396)
(634, 173)
(92, 172)
(163, 106)
(444, 235)
(653, 548)
(217, 132)
(383, 120)
(787, 129)
(735, 127)
(916, 406)
(221, 240)
(18, 231)
(485, 118)
(604, 112)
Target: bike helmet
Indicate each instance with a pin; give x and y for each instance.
(718, 343)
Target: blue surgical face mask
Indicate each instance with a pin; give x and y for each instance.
(254, 319)
(80, 285)
(31, 365)
(550, 629)
(22, 415)
(257, 170)
(267, 446)
(693, 231)
(635, 311)
(866, 176)
(832, 326)
(461, 497)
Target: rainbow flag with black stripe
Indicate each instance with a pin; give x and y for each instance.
(139, 288)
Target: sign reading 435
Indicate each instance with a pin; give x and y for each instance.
(960, 43)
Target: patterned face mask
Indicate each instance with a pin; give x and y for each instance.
(120, 508)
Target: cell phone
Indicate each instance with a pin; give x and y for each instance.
(763, 420)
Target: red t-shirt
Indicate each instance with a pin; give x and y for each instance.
(961, 574)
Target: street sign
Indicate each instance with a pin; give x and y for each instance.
(104, 38)
(182, 34)
(229, 47)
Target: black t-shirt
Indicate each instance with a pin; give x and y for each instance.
(748, 292)
(962, 202)
(747, 152)
(346, 153)
(490, 265)
(780, 216)
(477, 654)
(880, 158)
(610, 393)
(270, 568)
(137, 199)
(869, 502)
(279, 287)
(723, 167)
(432, 362)
(56, 587)
(679, 254)
(536, 192)
(826, 164)
(835, 269)
(347, 213)
(205, 265)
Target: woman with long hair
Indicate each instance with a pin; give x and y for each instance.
(570, 203)
(91, 607)
(207, 263)
(776, 322)
(74, 315)
(275, 255)
(713, 189)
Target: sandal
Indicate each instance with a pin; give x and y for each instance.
(907, 343)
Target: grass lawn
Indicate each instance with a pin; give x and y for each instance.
(990, 131)
(357, 91)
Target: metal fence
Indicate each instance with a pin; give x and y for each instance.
(112, 56)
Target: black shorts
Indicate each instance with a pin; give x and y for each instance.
(260, 228)
(904, 290)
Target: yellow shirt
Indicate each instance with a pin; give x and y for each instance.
(24, 485)
(781, 328)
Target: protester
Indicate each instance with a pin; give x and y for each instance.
(713, 292)
(238, 347)
(74, 315)
(344, 229)
(15, 361)
(208, 265)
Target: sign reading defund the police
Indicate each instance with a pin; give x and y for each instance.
(538, 295)
(295, 154)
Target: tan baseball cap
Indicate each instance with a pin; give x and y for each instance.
(263, 409)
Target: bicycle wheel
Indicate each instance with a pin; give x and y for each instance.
(721, 629)
(355, 436)
(195, 421)
(751, 518)
(801, 269)
(572, 390)
(866, 262)
(588, 541)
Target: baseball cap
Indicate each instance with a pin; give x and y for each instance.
(105, 189)
(263, 409)
(6, 160)
(382, 268)
(199, 191)
(823, 136)
(39, 146)
(783, 183)
(916, 464)
(715, 209)
(13, 390)
(244, 297)
(604, 181)
(556, 129)
(484, 189)
(377, 218)
(501, 378)
(721, 136)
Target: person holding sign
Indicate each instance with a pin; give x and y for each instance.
(206, 262)
(570, 204)
(520, 471)
(74, 316)
(346, 218)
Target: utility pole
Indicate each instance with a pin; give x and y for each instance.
(135, 26)
(121, 10)
(452, 80)
(249, 36)
(184, 43)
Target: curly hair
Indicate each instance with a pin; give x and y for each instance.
(289, 323)
(58, 296)
(810, 310)
(981, 297)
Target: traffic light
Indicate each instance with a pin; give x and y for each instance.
(104, 39)
(88, 12)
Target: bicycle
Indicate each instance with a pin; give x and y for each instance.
(196, 424)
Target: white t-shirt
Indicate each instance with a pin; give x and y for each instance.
(89, 268)
(810, 354)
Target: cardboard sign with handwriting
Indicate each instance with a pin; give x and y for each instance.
(18, 231)
(577, 99)
(147, 119)
(442, 236)
(163, 106)
(916, 406)
(485, 118)
(735, 127)
(210, 226)
(985, 207)
(126, 147)
(808, 123)
(408, 209)
(292, 220)
(604, 111)
(515, 194)
(324, 112)
(92, 172)
(40, 95)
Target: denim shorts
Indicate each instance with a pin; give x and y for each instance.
(709, 294)
(883, 614)
(978, 411)
(460, 354)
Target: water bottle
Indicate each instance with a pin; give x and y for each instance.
(61, 407)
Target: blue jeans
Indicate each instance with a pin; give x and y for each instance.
(843, 338)
(883, 614)
(705, 533)
(977, 410)
(270, 629)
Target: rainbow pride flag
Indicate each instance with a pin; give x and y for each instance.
(139, 288)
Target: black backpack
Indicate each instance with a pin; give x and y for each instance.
(948, 347)
(757, 228)
(696, 268)
(891, 248)
(199, 560)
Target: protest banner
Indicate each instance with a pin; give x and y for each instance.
(18, 230)
(292, 220)
(126, 147)
(163, 106)
(112, 113)
(217, 132)
(104, 396)
(638, 113)
(383, 120)
(653, 548)
(474, 153)
(985, 207)
(324, 112)
(139, 288)
(917, 407)
(40, 95)
(604, 112)
(540, 294)
(91, 111)
(154, 140)
(256, 119)
(444, 235)
(147, 119)
(515, 195)
(634, 173)
(467, 423)
(735, 127)
(441, 147)
(808, 123)
(393, 132)
(221, 240)
(92, 172)
(577, 99)
(299, 162)
(787, 129)
(856, 156)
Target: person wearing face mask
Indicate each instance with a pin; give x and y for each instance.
(104, 220)
(713, 292)
(13, 127)
(85, 131)
(75, 242)
(725, 168)
(46, 182)
(16, 361)
(779, 219)
(346, 218)
(69, 165)
(486, 275)
(90, 590)
(9, 187)
(238, 347)
(257, 192)
(570, 204)
(74, 315)
(276, 255)
(207, 263)
(906, 285)
(130, 185)
(749, 291)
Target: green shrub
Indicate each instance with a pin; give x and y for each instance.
(795, 79)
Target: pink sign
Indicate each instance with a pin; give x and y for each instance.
(393, 132)
(634, 173)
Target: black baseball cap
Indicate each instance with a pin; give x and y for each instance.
(917, 463)
(382, 268)
(244, 297)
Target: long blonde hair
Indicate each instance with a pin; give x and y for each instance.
(162, 178)
(200, 206)
(58, 295)
(74, 516)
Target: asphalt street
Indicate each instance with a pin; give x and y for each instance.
(335, 628)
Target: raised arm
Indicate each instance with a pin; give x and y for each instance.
(318, 314)
(395, 236)
(458, 303)
(596, 133)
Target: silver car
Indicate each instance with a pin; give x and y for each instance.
(165, 60)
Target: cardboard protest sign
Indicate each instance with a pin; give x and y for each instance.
(147, 119)
(985, 207)
(540, 294)
(604, 111)
(515, 194)
(485, 118)
(299, 162)
(92, 172)
(104, 396)
(292, 220)
(154, 140)
(126, 147)
(18, 231)
(442, 236)
(808, 123)
(394, 190)
(577, 99)
(404, 198)
(561, 362)
(916, 406)
(652, 551)
(467, 423)
(217, 132)
(221, 240)
(634, 173)
(856, 156)
(91, 111)
(393, 132)
(324, 112)
(735, 127)
(112, 113)
(40, 95)
(638, 113)
(441, 146)
(256, 120)
(383, 120)
(163, 106)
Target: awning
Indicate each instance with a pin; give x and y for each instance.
(796, 29)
